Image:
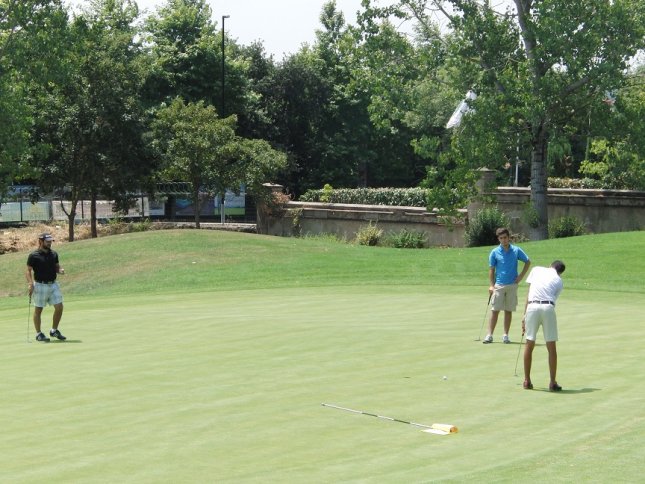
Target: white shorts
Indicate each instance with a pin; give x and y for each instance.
(46, 294)
(544, 315)
(504, 298)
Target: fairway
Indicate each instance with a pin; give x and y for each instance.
(226, 385)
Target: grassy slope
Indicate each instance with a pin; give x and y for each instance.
(182, 260)
(215, 371)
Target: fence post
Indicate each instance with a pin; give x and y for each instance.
(22, 198)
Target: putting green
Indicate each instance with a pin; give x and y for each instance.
(227, 387)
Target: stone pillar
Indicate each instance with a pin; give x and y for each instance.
(486, 180)
(484, 185)
(263, 210)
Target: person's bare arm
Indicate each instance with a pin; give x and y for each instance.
(527, 264)
(29, 275)
(491, 280)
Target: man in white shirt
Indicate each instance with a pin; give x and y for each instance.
(545, 285)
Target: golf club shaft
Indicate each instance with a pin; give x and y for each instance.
(518, 353)
(28, 317)
(377, 416)
(484, 321)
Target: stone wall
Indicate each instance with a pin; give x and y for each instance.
(600, 211)
(345, 221)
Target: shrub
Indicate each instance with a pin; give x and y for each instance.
(116, 225)
(568, 226)
(296, 215)
(407, 197)
(530, 215)
(480, 230)
(369, 235)
(553, 182)
(406, 239)
(326, 193)
(274, 202)
(325, 237)
(141, 226)
(446, 199)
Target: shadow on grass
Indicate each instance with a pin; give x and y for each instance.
(510, 344)
(67, 341)
(568, 392)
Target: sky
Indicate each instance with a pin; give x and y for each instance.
(282, 25)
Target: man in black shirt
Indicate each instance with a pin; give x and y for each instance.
(42, 268)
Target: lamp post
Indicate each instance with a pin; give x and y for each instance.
(223, 114)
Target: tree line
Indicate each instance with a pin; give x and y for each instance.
(106, 101)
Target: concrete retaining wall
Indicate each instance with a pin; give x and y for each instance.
(600, 211)
(345, 221)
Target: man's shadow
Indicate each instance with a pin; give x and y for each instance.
(569, 391)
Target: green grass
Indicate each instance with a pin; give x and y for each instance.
(188, 260)
(216, 371)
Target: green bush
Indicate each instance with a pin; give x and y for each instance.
(325, 237)
(568, 226)
(118, 225)
(406, 197)
(369, 234)
(141, 226)
(446, 199)
(406, 239)
(530, 215)
(326, 193)
(480, 230)
(553, 182)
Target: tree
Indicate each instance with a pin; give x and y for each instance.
(186, 56)
(185, 60)
(93, 121)
(397, 76)
(326, 103)
(537, 64)
(198, 147)
(313, 115)
(14, 124)
(249, 99)
(616, 153)
(29, 53)
(298, 102)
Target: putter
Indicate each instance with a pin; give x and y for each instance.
(479, 338)
(28, 318)
(518, 353)
(442, 429)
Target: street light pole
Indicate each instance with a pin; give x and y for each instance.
(223, 114)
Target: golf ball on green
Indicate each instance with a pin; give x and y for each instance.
(445, 377)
